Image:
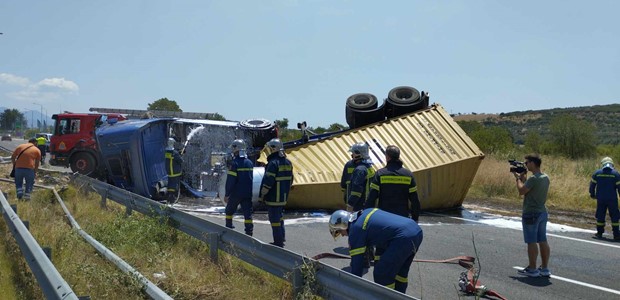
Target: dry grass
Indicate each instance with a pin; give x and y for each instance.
(568, 191)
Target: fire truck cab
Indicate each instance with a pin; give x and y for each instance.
(73, 143)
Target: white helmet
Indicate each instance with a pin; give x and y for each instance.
(238, 145)
(340, 220)
(274, 145)
(359, 150)
(171, 142)
(607, 162)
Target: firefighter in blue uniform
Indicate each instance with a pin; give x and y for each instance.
(356, 177)
(604, 187)
(239, 186)
(174, 165)
(275, 187)
(393, 188)
(400, 237)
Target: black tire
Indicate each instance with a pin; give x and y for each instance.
(404, 95)
(403, 100)
(261, 130)
(358, 118)
(362, 101)
(83, 163)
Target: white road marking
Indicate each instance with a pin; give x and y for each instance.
(549, 234)
(596, 287)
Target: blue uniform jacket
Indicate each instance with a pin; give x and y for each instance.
(278, 180)
(358, 190)
(240, 178)
(375, 227)
(605, 185)
(345, 179)
(174, 163)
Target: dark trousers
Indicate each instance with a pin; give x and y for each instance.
(602, 206)
(392, 270)
(246, 207)
(277, 224)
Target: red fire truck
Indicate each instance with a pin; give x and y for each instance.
(73, 142)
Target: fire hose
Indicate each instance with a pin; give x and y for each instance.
(468, 280)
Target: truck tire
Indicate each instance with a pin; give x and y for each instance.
(361, 110)
(403, 100)
(83, 163)
(362, 101)
(261, 130)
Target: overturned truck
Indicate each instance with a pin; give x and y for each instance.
(442, 157)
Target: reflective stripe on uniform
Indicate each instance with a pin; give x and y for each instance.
(395, 179)
(368, 218)
(401, 279)
(357, 251)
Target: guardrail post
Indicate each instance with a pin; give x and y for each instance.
(297, 281)
(104, 197)
(212, 239)
(14, 207)
(26, 224)
(48, 252)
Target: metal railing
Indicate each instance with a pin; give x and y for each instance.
(332, 283)
(52, 284)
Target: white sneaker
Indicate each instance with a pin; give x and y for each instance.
(544, 272)
(529, 273)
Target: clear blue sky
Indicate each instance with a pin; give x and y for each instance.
(301, 59)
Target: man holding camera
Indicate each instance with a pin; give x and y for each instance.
(534, 215)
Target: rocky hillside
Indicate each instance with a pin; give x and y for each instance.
(605, 118)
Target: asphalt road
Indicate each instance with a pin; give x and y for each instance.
(582, 267)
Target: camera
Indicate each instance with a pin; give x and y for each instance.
(517, 166)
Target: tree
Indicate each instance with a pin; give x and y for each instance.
(215, 116)
(492, 139)
(533, 142)
(12, 119)
(336, 127)
(164, 104)
(282, 124)
(572, 137)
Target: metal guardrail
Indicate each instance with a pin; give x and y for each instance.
(52, 284)
(332, 282)
(151, 289)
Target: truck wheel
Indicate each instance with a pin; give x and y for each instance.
(403, 100)
(261, 131)
(83, 163)
(362, 101)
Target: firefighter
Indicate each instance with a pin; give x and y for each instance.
(239, 186)
(356, 176)
(275, 187)
(604, 187)
(400, 237)
(41, 145)
(393, 188)
(174, 163)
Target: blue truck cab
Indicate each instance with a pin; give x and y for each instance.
(133, 154)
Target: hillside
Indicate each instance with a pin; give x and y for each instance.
(605, 118)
